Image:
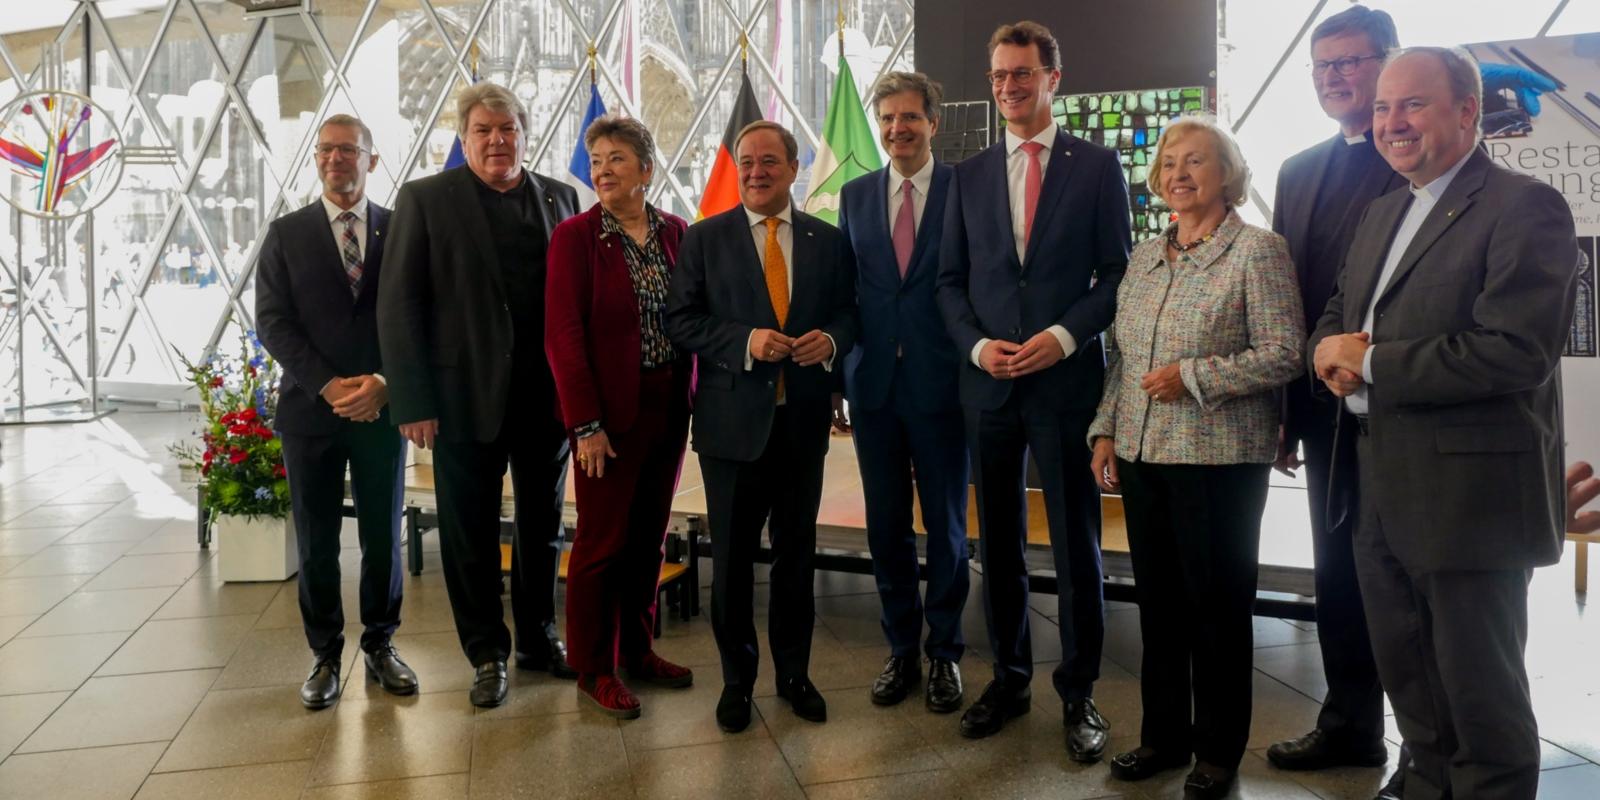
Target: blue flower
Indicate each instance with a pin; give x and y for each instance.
(263, 493)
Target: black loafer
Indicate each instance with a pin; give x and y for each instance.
(489, 685)
(553, 659)
(1136, 765)
(733, 709)
(1318, 750)
(944, 686)
(899, 675)
(1087, 731)
(804, 699)
(1395, 787)
(321, 688)
(1207, 782)
(385, 668)
(997, 705)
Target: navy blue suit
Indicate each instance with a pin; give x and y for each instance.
(901, 383)
(1069, 274)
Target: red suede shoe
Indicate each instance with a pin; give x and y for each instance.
(610, 695)
(658, 671)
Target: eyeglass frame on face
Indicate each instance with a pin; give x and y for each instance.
(346, 150)
(1021, 76)
(906, 118)
(1351, 64)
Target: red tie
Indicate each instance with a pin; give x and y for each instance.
(905, 231)
(1030, 189)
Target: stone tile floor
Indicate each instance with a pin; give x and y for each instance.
(128, 670)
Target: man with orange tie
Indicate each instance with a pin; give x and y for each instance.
(764, 296)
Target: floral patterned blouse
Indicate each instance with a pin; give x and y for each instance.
(650, 273)
(1228, 312)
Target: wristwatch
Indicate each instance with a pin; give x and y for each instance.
(587, 429)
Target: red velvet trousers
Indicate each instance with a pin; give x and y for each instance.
(622, 528)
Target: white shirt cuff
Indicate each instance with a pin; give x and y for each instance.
(977, 352)
(1366, 365)
(827, 366)
(380, 378)
(749, 360)
(1068, 344)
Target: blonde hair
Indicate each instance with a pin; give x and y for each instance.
(1235, 173)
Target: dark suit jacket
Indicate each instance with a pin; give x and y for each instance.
(307, 319)
(443, 320)
(897, 315)
(719, 296)
(1068, 276)
(1465, 401)
(591, 322)
(1298, 183)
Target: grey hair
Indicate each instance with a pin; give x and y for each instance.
(1377, 25)
(1460, 69)
(626, 130)
(1235, 173)
(494, 97)
(350, 122)
(894, 83)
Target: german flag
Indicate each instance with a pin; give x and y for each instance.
(722, 188)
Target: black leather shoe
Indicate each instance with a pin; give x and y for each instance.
(895, 682)
(998, 704)
(944, 686)
(1136, 765)
(1395, 789)
(733, 709)
(386, 669)
(321, 688)
(553, 660)
(804, 699)
(1087, 731)
(489, 685)
(1318, 750)
(1207, 782)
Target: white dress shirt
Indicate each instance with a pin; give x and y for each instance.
(1017, 188)
(360, 225)
(920, 183)
(758, 233)
(1422, 202)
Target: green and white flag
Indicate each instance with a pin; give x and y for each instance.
(849, 149)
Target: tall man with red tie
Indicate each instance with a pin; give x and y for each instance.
(1036, 238)
(764, 296)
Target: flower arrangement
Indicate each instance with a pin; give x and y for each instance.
(240, 458)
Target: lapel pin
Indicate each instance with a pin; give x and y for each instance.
(1450, 213)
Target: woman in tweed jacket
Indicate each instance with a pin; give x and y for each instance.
(1208, 325)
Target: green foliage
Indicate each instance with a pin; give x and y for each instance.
(239, 457)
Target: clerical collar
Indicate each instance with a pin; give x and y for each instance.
(1362, 139)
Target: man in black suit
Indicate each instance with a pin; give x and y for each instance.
(316, 296)
(461, 321)
(765, 298)
(1036, 238)
(1444, 340)
(1321, 195)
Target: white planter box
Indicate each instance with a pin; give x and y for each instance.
(256, 548)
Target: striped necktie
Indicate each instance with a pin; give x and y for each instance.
(350, 250)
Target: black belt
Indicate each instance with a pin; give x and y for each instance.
(1363, 425)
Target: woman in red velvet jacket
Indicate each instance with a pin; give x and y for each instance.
(624, 393)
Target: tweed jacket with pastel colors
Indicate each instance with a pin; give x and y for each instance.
(1229, 314)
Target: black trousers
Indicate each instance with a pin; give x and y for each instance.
(375, 453)
(783, 490)
(1000, 442)
(1449, 646)
(469, 477)
(1194, 533)
(1352, 712)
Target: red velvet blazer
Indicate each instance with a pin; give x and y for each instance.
(591, 323)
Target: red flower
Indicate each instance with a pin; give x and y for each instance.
(278, 471)
(246, 415)
(251, 370)
(240, 429)
(263, 432)
(208, 456)
(205, 469)
(237, 456)
(217, 381)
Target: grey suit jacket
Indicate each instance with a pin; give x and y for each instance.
(1466, 450)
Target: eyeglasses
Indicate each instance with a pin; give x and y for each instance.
(1021, 77)
(1344, 66)
(908, 118)
(346, 150)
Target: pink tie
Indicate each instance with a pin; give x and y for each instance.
(905, 233)
(1030, 189)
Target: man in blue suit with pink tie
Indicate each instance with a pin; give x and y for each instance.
(1036, 238)
(901, 383)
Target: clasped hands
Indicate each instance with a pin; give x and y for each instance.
(806, 350)
(1007, 360)
(1338, 362)
(358, 399)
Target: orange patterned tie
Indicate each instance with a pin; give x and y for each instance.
(777, 273)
